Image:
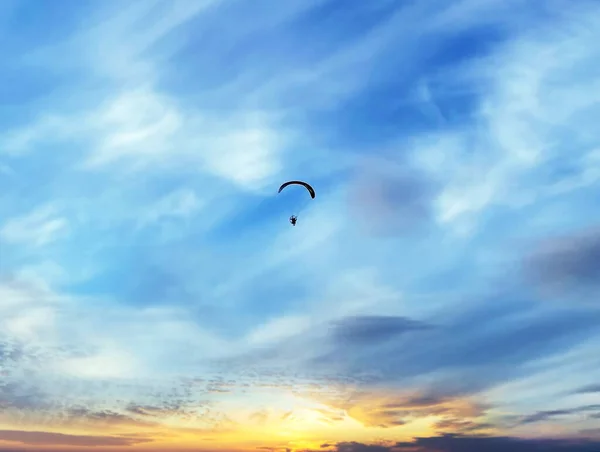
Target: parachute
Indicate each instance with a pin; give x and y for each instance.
(299, 182)
(311, 191)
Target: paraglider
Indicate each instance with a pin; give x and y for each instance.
(298, 182)
(311, 191)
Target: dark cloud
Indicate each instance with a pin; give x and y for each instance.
(460, 443)
(590, 410)
(389, 198)
(22, 396)
(455, 443)
(471, 348)
(104, 417)
(173, 408)
(460, 426)
(589, 389)
(467, 351)
(274, 449)
(373, 329)
(47, 439)
(567, 263)
(144, 410)
(544, 415)
(359, 447)
(423, 401)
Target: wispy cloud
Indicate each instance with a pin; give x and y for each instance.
(38, 228)
(44, 438)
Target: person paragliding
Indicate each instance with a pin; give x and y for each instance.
(311, 191)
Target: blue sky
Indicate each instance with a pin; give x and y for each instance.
(452, 253)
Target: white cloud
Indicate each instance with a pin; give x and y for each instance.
(277, 329)
(141, 128)
(43, 273)
(114, 39)
(47, 128)
(177, 204)
(539, 94)
(28, 311)
(148, 130)
(133, 125)
(91, 339)
(138, 125)
(31, 324)
(106, 364)
(249, 157)
(38, 228)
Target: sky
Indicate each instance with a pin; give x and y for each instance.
(440, 293)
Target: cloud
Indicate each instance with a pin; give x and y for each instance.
(389, 197)
(461, 426)
(449, 361)
(38, 228)
(169, 408)
(467, 444)
(101, 47)
(28, 310)
(279, 329)
(589, 389)
(57, 373)
(460, 443)
(259, 417)
(147, 129)
(47, 128)
(545, 415)
(567, 263)
(389, 408)
(358, 447)
(510, 153)
(365, 330)
(105, 418)
(22, 396)
(178, 204)
(106, 364)
(49, 438)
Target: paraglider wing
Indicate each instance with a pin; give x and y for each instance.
(299, 182)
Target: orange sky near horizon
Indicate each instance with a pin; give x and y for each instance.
(363, 417)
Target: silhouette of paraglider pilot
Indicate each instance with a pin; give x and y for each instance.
(293, 220)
